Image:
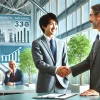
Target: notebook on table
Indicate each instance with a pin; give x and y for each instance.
(55, 96)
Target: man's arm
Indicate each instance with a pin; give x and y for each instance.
(7, 77)
(20, 77)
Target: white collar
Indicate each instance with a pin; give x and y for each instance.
(99, 33)
(48, 38)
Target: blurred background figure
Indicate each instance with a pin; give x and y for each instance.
(14, 76)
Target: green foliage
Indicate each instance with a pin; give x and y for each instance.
(26, 62)
(78, 48)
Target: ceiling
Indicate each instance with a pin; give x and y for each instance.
(15, 7)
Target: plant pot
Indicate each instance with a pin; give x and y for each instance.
(77, 88)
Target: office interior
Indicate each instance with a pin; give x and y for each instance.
(73, 18)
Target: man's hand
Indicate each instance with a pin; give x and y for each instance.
(10, 71)
(90, 92)
(63, 71)
(10, 83)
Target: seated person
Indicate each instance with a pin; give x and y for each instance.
(14, 76)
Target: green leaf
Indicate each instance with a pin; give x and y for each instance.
(26, 62)
(78, 49)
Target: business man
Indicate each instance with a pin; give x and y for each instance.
(14, 76)
(49, 55)
(92, 62)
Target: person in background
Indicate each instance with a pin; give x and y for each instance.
(49, 56)
(92, 62)
(14, 76)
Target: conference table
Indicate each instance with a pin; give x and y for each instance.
(15, 89)
(22, 92)
(29, 96)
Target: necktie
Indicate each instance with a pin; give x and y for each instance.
(14, 78)
(52, 46)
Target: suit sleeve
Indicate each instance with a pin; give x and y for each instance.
(38, 58)
(7, 79)
(20, 78)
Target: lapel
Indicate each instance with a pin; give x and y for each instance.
(46, 45)
(96, 50)
(57, 48)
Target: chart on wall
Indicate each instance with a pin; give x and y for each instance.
(15, 36)
(15, 29)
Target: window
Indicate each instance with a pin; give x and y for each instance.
(38, 27)
(47, 7)
(61, 6)
(93, 2)
(74, 19)
(85, 13)
(69, 2)
(69, 22)
(53, 6)
(78, 17)
(62, 26)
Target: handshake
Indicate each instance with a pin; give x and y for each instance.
(63, 71)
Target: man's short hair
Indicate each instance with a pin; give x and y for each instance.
(44, 20)
(96, 8)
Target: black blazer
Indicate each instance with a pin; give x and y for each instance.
(92, 62)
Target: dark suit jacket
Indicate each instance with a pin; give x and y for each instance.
(19, 79)
(93, 63)
(46, 64)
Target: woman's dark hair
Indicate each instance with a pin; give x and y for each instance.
(44, 20)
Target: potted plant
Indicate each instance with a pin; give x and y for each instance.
(78, 48)
(26, 63)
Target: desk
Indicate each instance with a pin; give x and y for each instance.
(28, 96)
(15, 89)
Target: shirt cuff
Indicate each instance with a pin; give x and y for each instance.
(8, 75)
(14, 83)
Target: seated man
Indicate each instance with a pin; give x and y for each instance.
(14, 76)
